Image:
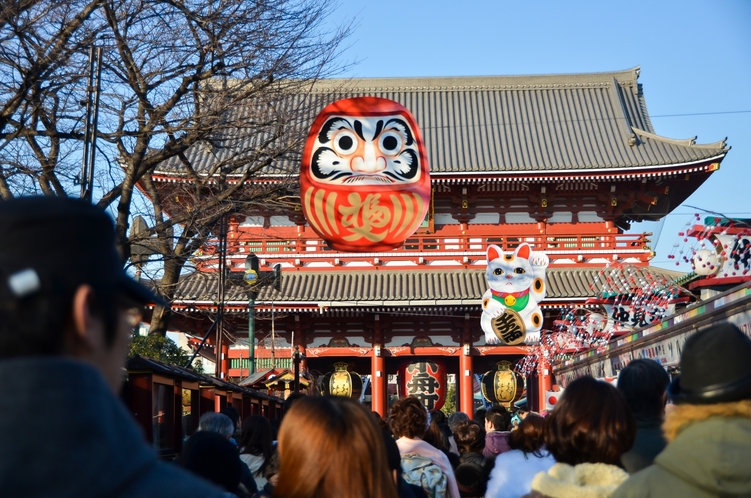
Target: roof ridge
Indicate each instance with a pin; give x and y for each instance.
(508, 82)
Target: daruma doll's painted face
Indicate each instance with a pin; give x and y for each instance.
(364, 180)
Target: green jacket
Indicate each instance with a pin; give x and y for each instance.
(710, 457)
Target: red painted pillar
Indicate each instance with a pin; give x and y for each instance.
(378, 381)
(466, 384)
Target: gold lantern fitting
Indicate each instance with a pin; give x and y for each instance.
(503, 386)
(342, 382)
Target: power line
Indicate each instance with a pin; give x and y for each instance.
(697, 114)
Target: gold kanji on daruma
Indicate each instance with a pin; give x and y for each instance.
(363, 219)
(364, 178)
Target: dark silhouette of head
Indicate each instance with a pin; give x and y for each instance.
(644, 383)
(590, 424)
(469, 437)
(232, 413)
(212, 456)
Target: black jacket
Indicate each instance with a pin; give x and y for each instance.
(64, 433)
(649, 443)
(472, 474)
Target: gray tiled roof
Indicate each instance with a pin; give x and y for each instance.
(514, 124)
(388, 286)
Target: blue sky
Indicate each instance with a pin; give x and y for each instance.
(695, 59)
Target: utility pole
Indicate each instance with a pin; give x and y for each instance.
(221, 365)
(297, 357)
(253, 279)
(92, 119)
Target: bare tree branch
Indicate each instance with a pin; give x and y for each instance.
(207, 92)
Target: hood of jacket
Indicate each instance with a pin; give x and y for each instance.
(496, 442)
(710, 446)
(586, 480)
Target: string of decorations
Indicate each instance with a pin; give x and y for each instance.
(716, 246)
(629, 297)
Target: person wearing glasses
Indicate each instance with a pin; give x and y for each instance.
(67, 313)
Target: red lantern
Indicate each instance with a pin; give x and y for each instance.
(426, 380)
(364, 178)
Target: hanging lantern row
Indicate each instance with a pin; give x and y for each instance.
(425, 380)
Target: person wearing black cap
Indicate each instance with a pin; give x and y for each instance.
(67, 311)
(709, 431)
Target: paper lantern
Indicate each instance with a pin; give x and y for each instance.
(425, 380)
(364, 178)
(503, 386)
(342, 382)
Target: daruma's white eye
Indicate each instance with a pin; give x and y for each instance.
(390, 142)
(345, 142)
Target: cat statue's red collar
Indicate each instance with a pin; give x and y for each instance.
(513, 300)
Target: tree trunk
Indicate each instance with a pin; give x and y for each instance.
(162, 314)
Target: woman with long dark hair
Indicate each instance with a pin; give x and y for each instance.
(256, 447)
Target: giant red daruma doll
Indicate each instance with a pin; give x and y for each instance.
(364, 180)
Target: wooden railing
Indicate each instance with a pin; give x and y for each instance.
(467, 250)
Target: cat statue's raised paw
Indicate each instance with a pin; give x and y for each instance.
(517, 285)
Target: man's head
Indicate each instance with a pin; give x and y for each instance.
(455, 419)
(217, 422)
(497, 418)
(63, 290)
(643, 383)
(715, 367)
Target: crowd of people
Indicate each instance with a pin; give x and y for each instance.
(599, 441)
(67, 310)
